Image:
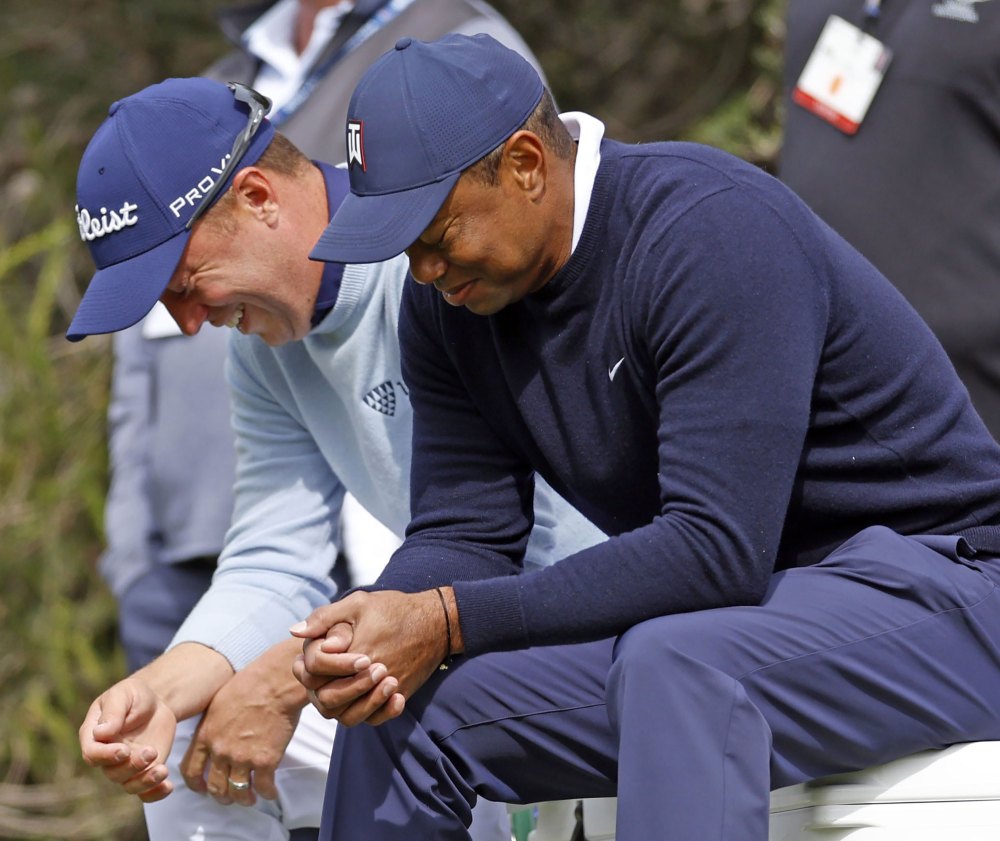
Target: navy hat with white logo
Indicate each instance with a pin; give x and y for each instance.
(420, 115)
(145, 171)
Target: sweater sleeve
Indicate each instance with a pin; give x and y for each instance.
(470, 497)
(275, 568)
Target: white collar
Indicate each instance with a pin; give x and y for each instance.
(270, 39)
(159, 324)
(588, 132)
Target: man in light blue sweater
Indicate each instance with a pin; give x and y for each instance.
(319, 408)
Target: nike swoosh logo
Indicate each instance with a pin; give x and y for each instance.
(614, 369)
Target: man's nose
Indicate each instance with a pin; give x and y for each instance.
(189, 315)
(426, 264)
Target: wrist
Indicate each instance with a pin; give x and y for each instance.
(273, 671)
(186, 677)
(452, 623)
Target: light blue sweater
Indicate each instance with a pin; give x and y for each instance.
(312, 419)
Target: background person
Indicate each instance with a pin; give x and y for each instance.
(319, 407)
(804, 507)
(912, 188)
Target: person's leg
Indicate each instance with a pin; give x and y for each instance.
(490, 821)
(301, 775)
(514, 727)
(885, 648)
(153, 608)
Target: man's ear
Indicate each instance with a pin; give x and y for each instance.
(256, 193)
(524, 158)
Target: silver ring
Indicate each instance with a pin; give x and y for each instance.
(236, 785)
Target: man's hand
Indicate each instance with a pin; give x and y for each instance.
(369, 652)
(129, 730)
(127, 734)
(246, 729)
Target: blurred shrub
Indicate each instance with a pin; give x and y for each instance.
(56, 623)
(62, 62)
(705, 70)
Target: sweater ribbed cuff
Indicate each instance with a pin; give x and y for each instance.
(491, 615)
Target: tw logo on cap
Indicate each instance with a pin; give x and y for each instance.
(356, 144)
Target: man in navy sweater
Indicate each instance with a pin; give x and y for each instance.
(803, 505)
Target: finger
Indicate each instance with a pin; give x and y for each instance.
(140, 760)
(326, 712)
(361, 710)
(320, 661)
(263, 783)
(157, 792)
(319, 622)
(338, 638)
(393, 708)
(107, 718)
(238, 777)
(317, 669)
(217, 781)
(99, 755)
(346, 690)
(147, 780)
(195, 761)
(90, 744)
(108, 729)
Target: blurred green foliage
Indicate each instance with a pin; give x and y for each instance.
(61, 64)
(706, 70)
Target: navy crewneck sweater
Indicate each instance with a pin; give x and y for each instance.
(715, 378)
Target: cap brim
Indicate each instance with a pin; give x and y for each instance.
(369, 229)
(121, 294)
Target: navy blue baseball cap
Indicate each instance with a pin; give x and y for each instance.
(144, 173)
(420, 115)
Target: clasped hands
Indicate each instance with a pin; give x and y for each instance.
(364, 655)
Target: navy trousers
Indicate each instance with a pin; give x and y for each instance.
(889, 646)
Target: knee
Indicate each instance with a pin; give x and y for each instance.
(677, 669)
(680, 654)
(667, 641)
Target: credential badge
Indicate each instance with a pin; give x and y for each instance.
(356, 144)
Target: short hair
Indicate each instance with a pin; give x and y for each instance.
(281, 156)
(543, 121)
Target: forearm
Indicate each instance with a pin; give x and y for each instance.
(186, 677)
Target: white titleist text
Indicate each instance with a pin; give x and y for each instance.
(95, 227)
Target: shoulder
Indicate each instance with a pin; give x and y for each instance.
(654, 186)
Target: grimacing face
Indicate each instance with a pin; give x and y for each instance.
(484, 250)
(246, 273)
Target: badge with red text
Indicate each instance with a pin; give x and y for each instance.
(842, 75)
